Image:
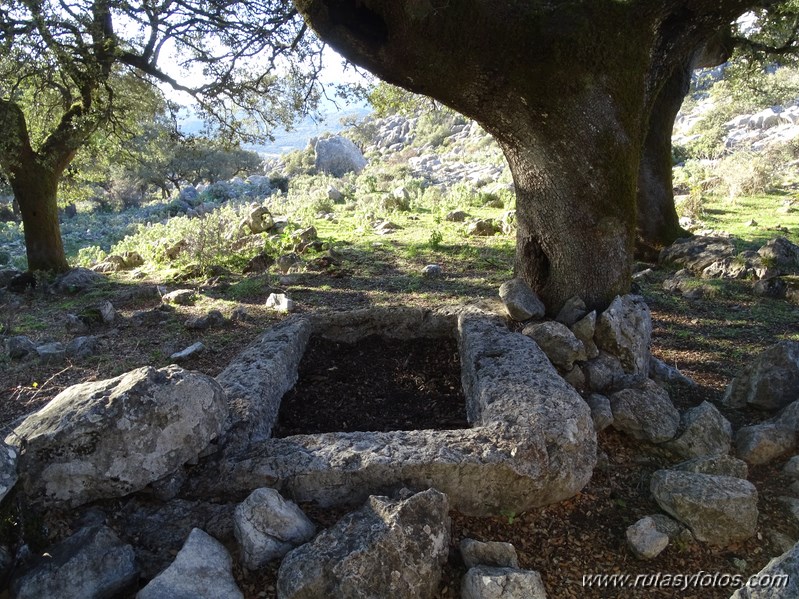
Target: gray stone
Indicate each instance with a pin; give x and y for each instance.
(190, 352)
(82, 347)
(75, 324)
(604, 373)
(645, 413)
(576, 378)
(781, 255)
(492, 553)
(214, 318)
(109, 438)
(645, 540)
(334, 194)
(572, 311)
(20, 346)
(456, 216)
(77, 280)
(601, 412)
(259, 263)
(703, 432)
(108, 313)
(260, 220)
(723, 465)
(52, 353)
(584, 330)
(671, 528)
(762, 443)
(337, 156)
(719, 510)
(664, 373)
(698, 252)
(8, 469)
(432, 271)
(201, 570)
(483, 582)
(181, 297)
(791, 467)
(288, 261)
(520, 300)
(791, 507)
(483, 227)
(267, 527)
(6, 564)
(558, 342)
(280, 302)
(624, 329)
(783, 574)
(386, 549)
(91, 563)
(256, 380)
(770, 381)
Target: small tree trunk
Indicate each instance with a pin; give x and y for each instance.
(658, 222)
(35, 188)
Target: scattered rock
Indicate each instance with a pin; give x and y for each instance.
(337, 156)
(773, 287)
(494, 554)
(280, 302)
(181, 297)
(791, 467)
(698, 252)
(770, 382)
(572, 311)
(484, 227)
(584, 330)
(334, 194)
(201, 570)
(645, 540)
(267, 527)
(74, 324)
(19, 347)
(781, 255)
(8, 469)
(384, 227)
(109, 438)
(77, 280)
(52, 353)
(624, 330)
(91, 563)
(286, 262)
(703, 432)
(456, 216)
(719, 510)
(305, 236)
(259, 264)
(484, 582)
(260, 220)
(82, 347)
(645, 413)
(200, 323)
(386, 549)
(785, 569)
(762, 443)
(671, 528)
(432, 271)
(576, 378)
(722, 465)
(661, 372)
(604, 374)
(558, 342)
(601, 412)
(188, 353)
(520, 300)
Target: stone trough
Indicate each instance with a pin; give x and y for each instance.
(531, 440)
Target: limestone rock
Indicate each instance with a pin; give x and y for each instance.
(52, 353)
(661, 372)
(761, 443)
(483, 227)
(201, 570)
(77, 280)
(91, 563)
(558, 342)
(784, 568)
(338, 156)
(645, 540)
(791, 467)
(604, 373)
(214, 318)
(771, 381)
(484, 582)
(189, 352)
(432, 271)
(386, 549)
(280, 302)
(703, 432)
(601, 412)
(260, 220)
(520, 300)
(584, 330)
(645, 413)
(181, 297)
(723, 465)
(20, 346)
(456, 216)
(82, 347)
(493, 553)
(719, 510)
(697, 252)
(110, 438)
(8, 469)
(624, 330)
(572, 311)
(671, 528)
(781, 254)
(268, 527)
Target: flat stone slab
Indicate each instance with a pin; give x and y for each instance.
(532, 441)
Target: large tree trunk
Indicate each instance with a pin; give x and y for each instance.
(35, 187)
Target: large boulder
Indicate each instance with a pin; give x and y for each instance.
(92, 563)
(770, 381)
(697, 253)
(719, 510)
(778, 580)
(645, 413)
(268, 527)
(111, 438)
(703, 431)
(201, 570)
(338, 156)
(386, 549)
(625, 329)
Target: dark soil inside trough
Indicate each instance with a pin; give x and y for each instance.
(376, 384)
